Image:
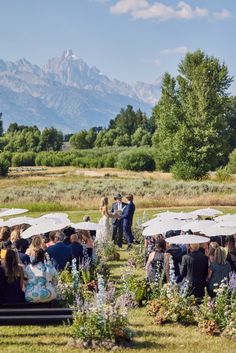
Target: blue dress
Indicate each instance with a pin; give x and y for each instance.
(40, 287)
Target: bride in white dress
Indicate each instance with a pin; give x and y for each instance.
(104, 234)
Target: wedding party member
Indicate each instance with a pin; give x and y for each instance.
(117, 224)
(155, 265)
(104, 234)
(41, 279)
(59, 253)
(127, 218)
(14, 278)
(218, 270)
(194, 270)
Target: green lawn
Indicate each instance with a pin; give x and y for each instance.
(149, 337)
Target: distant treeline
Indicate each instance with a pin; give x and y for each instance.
(192, 130)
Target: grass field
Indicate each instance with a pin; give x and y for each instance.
(148, 336)
(67, 188)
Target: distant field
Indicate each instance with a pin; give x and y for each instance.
(43, 189)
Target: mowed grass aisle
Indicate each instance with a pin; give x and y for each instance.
(148, 336)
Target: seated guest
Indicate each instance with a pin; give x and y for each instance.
(87, 241)
(36, 244)
(59, 253)
(231, 251)
(87, 218)
(51, 239)
(14, 278)
(76, 248)
(218, 270)
(24, 258)
(68, 231)
(41, 279)
(174, 251)
(155, 265)
(2, 284)
(211, 251)
(24, 243)
(5, 242)
(194, 270)
(15, 235)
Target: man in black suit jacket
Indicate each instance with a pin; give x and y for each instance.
(117, 224)
(194, 269)
(127, 217)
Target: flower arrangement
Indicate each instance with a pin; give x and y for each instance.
(172, 306)
(103, 322)
(216, 314)
(133, 288)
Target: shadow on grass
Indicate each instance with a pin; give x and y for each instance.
(33, 344)
(136, 345)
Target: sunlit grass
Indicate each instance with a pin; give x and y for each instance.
(151, 338)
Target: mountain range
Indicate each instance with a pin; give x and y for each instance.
(67, 94)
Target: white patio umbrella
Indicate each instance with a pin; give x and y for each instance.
(178, 215)
(226, 218)
(55, 216)
(44, 226)
(187, 239)
(12, 211)
(1, 222)
(20, 220)
(207, 212)
(87, 226)
(151, 221)
(197, 226)
(162, 227)
(218, 229)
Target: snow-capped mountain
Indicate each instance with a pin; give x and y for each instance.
(66, 93)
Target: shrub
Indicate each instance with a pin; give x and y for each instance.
(23, 159)
(137, 160)
(4, 165)
(223, 174)
(232, 162)
(185, 171)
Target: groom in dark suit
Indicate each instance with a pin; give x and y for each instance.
(117, 224)
(127, 217)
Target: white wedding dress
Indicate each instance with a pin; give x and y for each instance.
(104, 234)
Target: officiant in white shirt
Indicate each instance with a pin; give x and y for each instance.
(117, 225)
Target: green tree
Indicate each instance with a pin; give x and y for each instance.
(141, 138)
(127, 121)
(79, 140)
(1, 125)
(51, 139)
(202, 141)
(167, 114)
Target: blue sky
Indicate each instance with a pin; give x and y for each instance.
(131, 40)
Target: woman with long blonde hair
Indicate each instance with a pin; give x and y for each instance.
(37, 243)
(104, 234)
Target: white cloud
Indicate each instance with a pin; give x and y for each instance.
(177, 50)
(142, 9)
(157, 61)
(126, 6)
(222, 15)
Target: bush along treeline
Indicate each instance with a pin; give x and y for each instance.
(192, 130)
(131, 158)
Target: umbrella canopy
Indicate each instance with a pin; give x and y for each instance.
(44, 226)
(176, 215)
(219, 229)
(12, 211)
(87, 226)
(197, 226)
(207, 212)
(151, 221)
(187, 239)
(162, 227)
(226, 218)
(1, 222)
(56, 217)
(20, 220)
